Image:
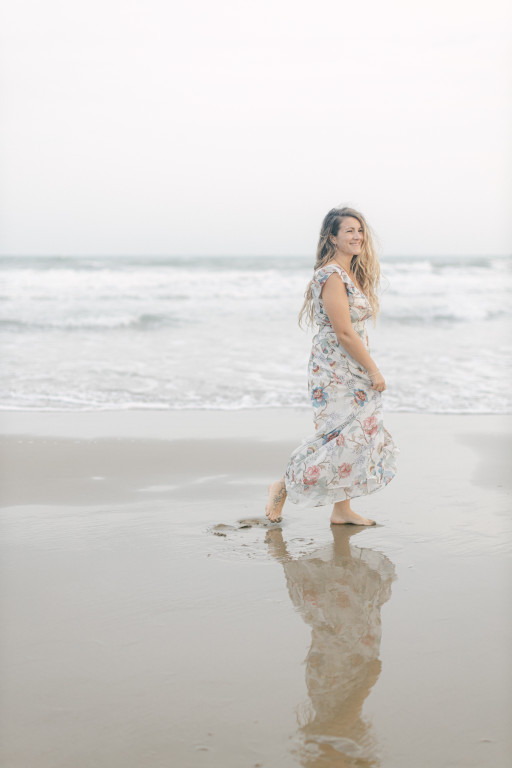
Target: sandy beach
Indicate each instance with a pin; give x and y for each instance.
(153, 617)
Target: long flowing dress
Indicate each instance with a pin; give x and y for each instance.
(350, 453)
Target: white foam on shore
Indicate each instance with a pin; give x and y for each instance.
(103, 334)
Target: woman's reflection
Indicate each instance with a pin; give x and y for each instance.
(339, 590)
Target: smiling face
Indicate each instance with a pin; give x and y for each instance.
(349, 239)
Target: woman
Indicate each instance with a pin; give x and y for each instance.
(351, 453)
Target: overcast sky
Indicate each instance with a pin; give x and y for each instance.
(229, 126)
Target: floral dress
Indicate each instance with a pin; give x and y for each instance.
(351, 453)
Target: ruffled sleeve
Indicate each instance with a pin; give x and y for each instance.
(323, 273)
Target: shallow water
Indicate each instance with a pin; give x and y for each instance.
(136, 636)
(164, 621)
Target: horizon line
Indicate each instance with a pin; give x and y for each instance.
(239, 255)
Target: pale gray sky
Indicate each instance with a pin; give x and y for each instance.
(223, 126)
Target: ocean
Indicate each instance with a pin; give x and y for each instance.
(98, 333)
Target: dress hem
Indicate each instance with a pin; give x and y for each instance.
(336, 496)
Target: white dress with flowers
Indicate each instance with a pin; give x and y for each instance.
(350, 453)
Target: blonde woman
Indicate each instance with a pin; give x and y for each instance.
(350, 453)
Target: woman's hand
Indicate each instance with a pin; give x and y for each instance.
(378, 382)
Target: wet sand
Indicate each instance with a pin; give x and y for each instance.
(152, 617)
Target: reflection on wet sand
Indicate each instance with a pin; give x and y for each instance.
(339, 591)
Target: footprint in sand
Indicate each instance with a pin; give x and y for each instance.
(222, 529)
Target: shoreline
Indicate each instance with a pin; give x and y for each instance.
(142, 421)
(64, 458)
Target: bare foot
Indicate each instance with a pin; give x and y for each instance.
(276, 499)
(342, 514)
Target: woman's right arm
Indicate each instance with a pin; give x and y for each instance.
(335, 299)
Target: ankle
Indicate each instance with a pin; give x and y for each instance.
(342, 507)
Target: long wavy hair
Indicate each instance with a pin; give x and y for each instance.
(364, 266)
